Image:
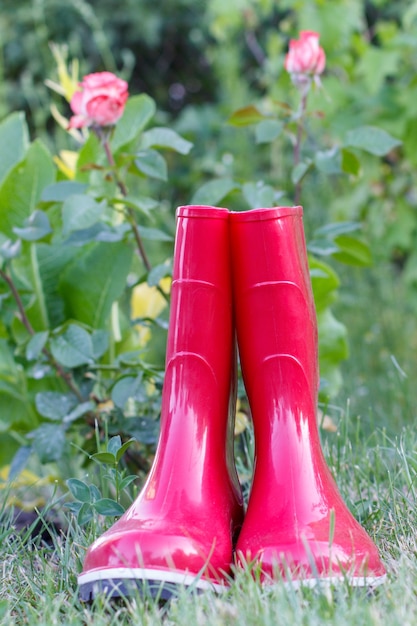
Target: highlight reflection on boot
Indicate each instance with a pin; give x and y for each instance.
(295, 513)
(183, 522)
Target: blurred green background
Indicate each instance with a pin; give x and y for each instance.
(201, 61)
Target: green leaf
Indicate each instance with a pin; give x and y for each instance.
(79, 489)
(16, 405)
(16, 408)
(375, 64)
(410, 140)
(47, 263)
(8, 448)
(22, 188)
(165, 138)
(246, 116)
(74, 507)
(100, 340)
(36, 227)
(158, 272)
(85, 514)
(94, 493)
(350, 163)
(333, 348)
(152, 164)
(10, 249)
(27, 269)
(73, 348)
(328, 161)
(325, 283)
(59, 192)
(138, 111)
(126, 481)
(299, 171)
(154, 234)
(79, 411)
(334, 229)
(36, 344)
(124, 389)
(114, 444)
(213, 192)
(107, 458)
(19, 462)
(109, 507)
(371, 139)
(100, 231)
(94, 280)
(13, 133)
(352, 251)
(120, 452)
(49, 442)
(268, 130)
(322, 247)
(142, 204)
(54, 405)
(79, 212)
(259, 195)
(90, 153)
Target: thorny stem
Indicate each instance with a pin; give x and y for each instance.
(66, 376)
(138, 239)
(130, 212)
(298, 140)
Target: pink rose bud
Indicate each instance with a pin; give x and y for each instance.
(305, 57)
(100, 101)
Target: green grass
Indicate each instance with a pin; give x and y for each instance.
(373, 456)
(377, 479)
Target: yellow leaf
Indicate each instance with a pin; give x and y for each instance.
(67, 82)
(67, 162)
(147, 302)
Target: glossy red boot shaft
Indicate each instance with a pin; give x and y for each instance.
(180, 528)
(297, 525)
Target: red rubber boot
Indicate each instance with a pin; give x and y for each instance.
(181, 527)
(297, 526)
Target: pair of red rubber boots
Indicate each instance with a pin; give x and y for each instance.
(241, 274)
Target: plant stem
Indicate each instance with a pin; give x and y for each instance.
(130, 213)
(138, 239)
(298, 141)
(66, 376)
(123, 190)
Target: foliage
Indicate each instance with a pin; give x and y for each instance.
(39, 581)
(83, 314)
(89, 500)
(217, 73)
(71, 353)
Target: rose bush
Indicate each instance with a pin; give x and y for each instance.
(299, 152)
(305, 57)
(100, 101)
(75, 247)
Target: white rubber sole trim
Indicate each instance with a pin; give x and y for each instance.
(154, 575)
(353, 581)
(163, 584)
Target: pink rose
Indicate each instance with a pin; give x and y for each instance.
(100, 101)
(305, 57)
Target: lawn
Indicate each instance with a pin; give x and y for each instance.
(373, 457)
(215, 106)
